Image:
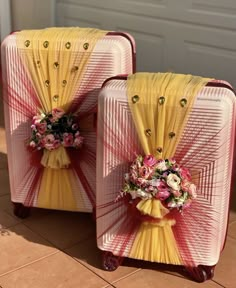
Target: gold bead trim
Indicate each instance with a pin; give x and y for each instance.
(148, 132)
(68, 45)
(55, 98)
(183, 102)
(135, 99)
(45, 44)
(161, 100)
(159, 149)
(56, 65)
(64, 82)
(74, 69)
(27, 43)
(86, 46)
(47, 83)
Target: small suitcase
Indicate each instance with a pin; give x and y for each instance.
(43, 63)
(206, 148)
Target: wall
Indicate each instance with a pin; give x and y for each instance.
(185, 36)
(32, 14)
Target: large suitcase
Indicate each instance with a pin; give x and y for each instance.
(206, 148)
(49, 62)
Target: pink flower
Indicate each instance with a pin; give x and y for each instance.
(78, 141)
(163, 191)
(37, 119)
(68, 139)
(163, 195)
(140, 182)
(190, 188)
(32, 144)
(149, 160)
(41, 127)
(145, 172)
(176, 193)
(48, 142)
(57, 113)
(184, 172)
(187, 204)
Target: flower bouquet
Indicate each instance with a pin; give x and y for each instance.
(51, 130)
(149, 178)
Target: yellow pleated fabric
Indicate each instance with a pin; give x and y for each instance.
(56, 60)
(160, 104)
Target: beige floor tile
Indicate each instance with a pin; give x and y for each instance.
(88, 254)
(225, 269)
(62, 228)
(55, 271)
(20, 246)
(4, 182)
(150, 278)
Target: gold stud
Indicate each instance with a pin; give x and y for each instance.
(64, 82)
(56, 65)
(45, 44)
(148, 132)
(161, 100)
(86, 46)
(47, 83)
(172, 134)
(68, 45)
(159, 149)
(74, 69)
(55, 98)
(183, 102)
(135, 99)
(27, 43)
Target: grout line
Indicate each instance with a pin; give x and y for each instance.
(30, 263)
(126, 276)
(218, 283)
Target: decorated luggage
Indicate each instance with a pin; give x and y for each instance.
(164, 165)
(51, 82)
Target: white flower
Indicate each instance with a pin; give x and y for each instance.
(173, 181)
(161, 165)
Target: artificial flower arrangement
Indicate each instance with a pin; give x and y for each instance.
(165, 180)
(53, 129)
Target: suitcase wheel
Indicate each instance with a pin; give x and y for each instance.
(111, 262)
(201, 273)
(20, 210)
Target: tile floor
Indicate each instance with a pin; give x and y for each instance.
(58, 249)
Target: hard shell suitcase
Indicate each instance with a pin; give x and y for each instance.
(41, 71)
(206, 147)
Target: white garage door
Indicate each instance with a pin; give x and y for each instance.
(184, 36)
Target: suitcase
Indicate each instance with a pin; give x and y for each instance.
(66, 60)
(206, 148)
